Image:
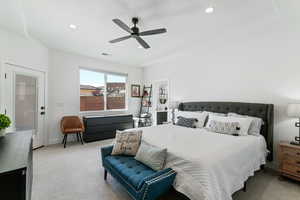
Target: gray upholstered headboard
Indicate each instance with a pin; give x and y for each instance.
(263, 111)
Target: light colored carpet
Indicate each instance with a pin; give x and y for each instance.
(75, 173)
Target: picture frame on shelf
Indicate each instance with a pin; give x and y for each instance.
(135, 90)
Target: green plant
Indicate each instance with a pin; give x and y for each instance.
(4, 121)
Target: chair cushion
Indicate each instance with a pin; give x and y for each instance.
(131, 170)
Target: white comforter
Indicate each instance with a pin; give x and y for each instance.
(209, 166)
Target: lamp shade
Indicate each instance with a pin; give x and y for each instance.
(174, 104)
(293, 110)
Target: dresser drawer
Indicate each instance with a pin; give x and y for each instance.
(291, 152)
(291, 161)
(291, 169)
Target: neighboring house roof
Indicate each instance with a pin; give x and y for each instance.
(90, 87)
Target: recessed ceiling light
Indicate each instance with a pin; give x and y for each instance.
(209, 10)
(72, 26)
(105, 54)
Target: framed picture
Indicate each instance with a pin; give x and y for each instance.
(135, 91)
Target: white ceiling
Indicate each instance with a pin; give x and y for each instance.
(185, 20)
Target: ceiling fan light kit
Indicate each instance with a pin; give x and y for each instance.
(135, 32)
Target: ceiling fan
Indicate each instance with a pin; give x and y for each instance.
(135, 32)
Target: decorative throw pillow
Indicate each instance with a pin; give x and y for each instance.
(244, 123)
(201, 117)
(152, 156)
(255, 125)
(186, 122)
(230, 128)
(127, 142)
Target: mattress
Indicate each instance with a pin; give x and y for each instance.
(209, 166)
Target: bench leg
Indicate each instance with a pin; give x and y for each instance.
(245, 187)
(105, 174)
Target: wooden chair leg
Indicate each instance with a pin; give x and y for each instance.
(105, 174)
(65, 141)
(81, 139)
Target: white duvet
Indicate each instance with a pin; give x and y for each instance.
(209, 166)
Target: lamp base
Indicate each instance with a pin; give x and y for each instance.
(295, 143)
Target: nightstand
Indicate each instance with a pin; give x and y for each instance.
(289, 160)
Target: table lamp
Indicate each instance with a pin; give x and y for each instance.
(293, 110)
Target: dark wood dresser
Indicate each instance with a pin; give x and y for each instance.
(289, 160)
(16, 166)
(104, 127)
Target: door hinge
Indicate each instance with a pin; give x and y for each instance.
(5, 76)
(5, 111)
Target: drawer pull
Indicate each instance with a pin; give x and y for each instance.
(298, 153)
(298, 171)
(298, 162)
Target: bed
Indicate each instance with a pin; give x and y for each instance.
(212, 166)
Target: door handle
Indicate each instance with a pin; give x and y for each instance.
(42, 113)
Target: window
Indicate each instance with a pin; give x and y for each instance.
(102, 91)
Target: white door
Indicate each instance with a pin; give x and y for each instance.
(24, 101)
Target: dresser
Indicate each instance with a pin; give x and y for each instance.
(104, 127)
(289, 160)
(16, 166)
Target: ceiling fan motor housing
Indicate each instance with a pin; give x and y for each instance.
(135, 30)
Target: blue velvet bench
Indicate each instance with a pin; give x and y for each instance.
(140, 181)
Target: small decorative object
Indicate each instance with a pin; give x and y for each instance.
(4, 123)
(173, 105)
(135, 91)
(293, 111)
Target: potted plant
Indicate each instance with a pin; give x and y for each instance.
(4, 123)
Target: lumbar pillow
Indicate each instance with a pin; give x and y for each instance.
(244, 123)
(255, 126)
(186, 122)
(231, 128)
(201, 117)
(152, 156)
(127, 142)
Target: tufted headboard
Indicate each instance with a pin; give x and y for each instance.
(263, 111)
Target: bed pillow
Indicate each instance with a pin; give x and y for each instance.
(186, 122)
(230, 128)
(243, 122)
(255, 125)
(127, 142)
(152, 156)
(215, 113)
(201, 117)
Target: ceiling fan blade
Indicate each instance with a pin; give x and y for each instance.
(122, 25)
(142, 42)
(120, 39)
(153, 32)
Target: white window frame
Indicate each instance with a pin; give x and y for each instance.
(105, 90)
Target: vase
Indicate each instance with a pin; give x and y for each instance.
(2, 132)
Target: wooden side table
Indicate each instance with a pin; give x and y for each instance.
(289, 160)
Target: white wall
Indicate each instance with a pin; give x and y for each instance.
(19, 50)
(64, 86)
(259, 63)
